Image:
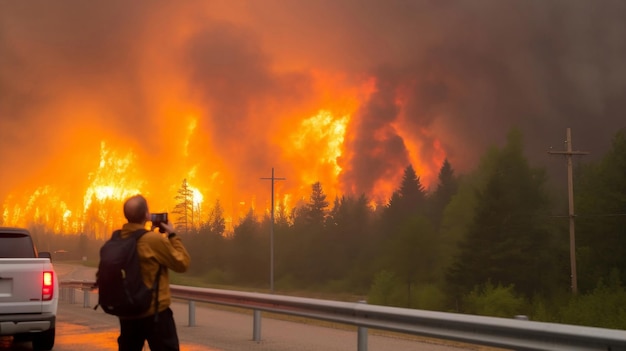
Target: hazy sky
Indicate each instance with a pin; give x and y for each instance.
(225, 83)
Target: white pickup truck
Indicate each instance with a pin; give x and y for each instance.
(29, 292)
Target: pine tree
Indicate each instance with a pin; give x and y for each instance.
(600, 202)
(316, 208)
(309, 220)
(184, 208)
(447, 187)
(249, 251)
(348, 249)
(411, 190)
(507, 242)
(216, 222)
(208, 245)
(282, 217)
(410, 198)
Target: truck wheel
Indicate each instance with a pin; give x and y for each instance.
(44, 341)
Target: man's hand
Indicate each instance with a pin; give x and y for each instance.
(169, 228)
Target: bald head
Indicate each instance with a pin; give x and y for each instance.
(136, 209)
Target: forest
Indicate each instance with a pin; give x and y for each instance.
(491, 242)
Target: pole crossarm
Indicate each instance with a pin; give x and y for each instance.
(568, 153)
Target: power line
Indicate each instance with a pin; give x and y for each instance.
(596, 215)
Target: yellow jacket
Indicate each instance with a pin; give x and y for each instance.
(156, 249)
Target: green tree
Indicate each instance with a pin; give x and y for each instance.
(600, 198)
(309, 238)
(349, 242)
(460, 211)
(183, 210)
(410, 198)
(456, 218)
(282, 218)
(405, 203)
(208, 245)
(317, 206)
(507, 242)
(249, 259)
(412, 255)
(447, 187)
(407, 237)
(216, 222)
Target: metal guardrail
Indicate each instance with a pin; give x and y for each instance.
(489, 331)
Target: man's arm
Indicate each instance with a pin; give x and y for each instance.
(172, 253)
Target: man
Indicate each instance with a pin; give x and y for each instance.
(155, 250)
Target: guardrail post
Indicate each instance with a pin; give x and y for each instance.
(72, 296)
(192, 313)
(256, 326)
(362, 335)
(86, 296)
(362, 339)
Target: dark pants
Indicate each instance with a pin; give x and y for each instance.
(161, 335)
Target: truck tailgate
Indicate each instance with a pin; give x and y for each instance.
(21, 281)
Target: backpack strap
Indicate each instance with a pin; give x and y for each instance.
(117, 234)
(155, 286)
(138, 233)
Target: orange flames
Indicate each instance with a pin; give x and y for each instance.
(178, 96)
(312, 149)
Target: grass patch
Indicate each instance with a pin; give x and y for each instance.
(321, 293)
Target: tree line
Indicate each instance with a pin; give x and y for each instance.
(494, 242)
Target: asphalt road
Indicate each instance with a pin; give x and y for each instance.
(80, 328)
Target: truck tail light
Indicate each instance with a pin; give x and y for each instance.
(47, 290)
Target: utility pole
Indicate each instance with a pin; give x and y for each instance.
(570, 191)
(272, 232)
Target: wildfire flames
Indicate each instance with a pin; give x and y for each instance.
(102, 100)
(313, 151)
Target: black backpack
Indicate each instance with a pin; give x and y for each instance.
(121, 290)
